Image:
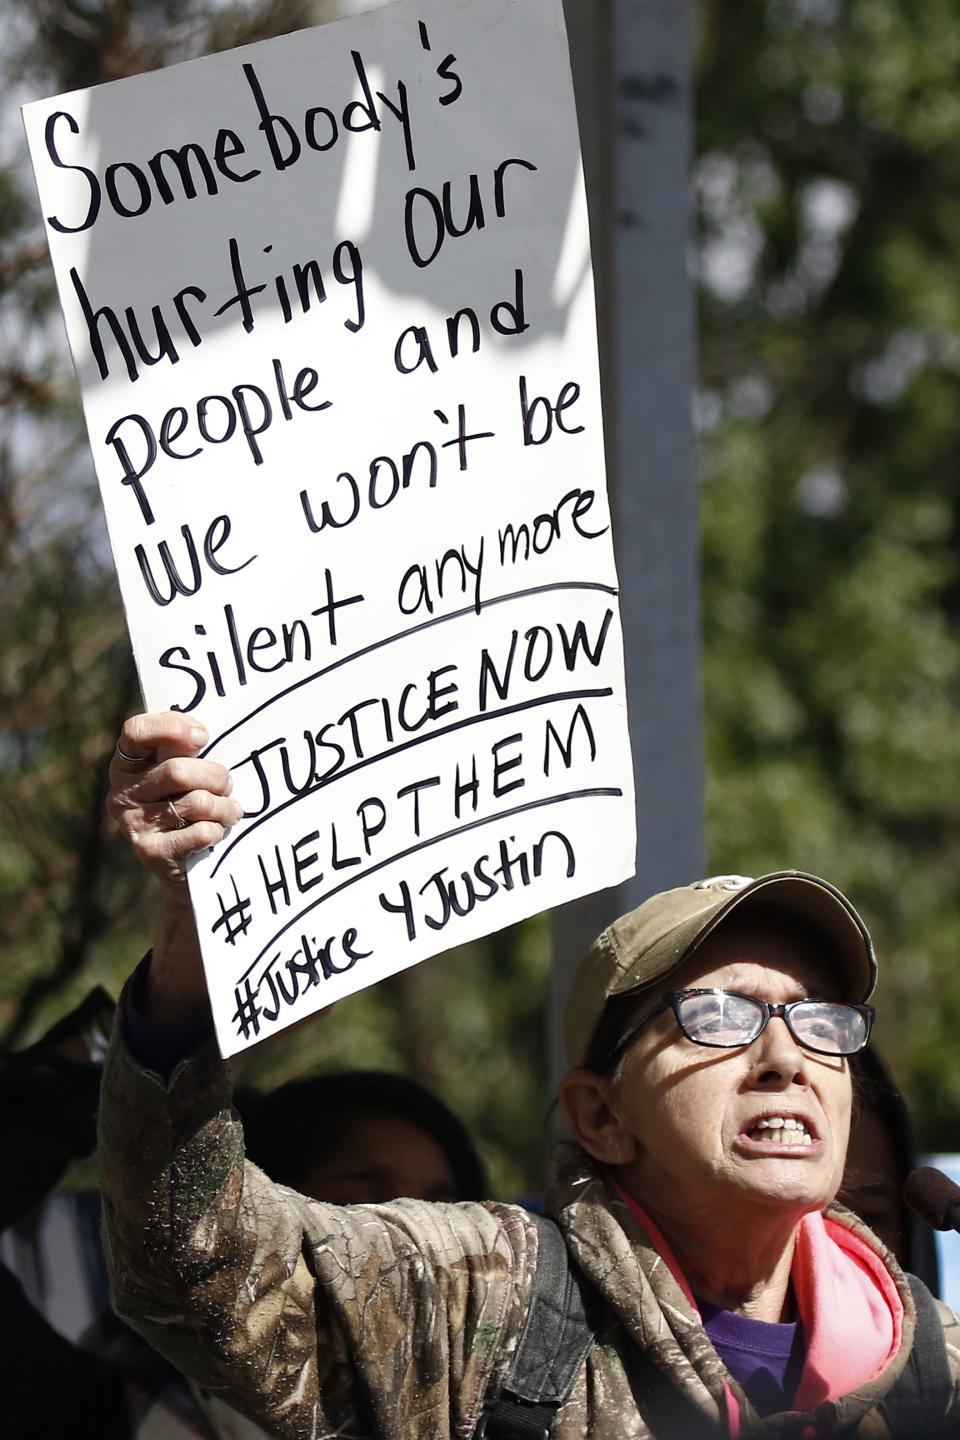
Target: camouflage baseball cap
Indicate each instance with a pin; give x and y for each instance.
(651, 941)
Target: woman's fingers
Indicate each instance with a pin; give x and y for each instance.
(183, 811)
(167, 833)
(161, 778)
(169, 803)
(145, 738)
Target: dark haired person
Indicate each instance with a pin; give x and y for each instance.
(710, 1034)
(361, 1136)
(880, 1156)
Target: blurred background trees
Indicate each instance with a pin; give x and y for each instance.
(827, 213)
(827, 185)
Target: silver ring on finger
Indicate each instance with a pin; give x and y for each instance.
(121, 754)
(180, 822)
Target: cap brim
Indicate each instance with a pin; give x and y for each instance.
(815, 903)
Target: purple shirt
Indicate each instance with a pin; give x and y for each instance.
(766, 1358)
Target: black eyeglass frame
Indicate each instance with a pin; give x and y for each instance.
(770, 1012)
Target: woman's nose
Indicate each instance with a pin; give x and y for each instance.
(778, 1057)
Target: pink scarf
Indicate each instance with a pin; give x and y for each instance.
(851, 1310)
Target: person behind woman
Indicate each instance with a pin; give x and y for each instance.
(356, 1137)
(709, 1036)
(881, 1155)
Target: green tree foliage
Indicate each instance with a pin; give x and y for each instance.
(828, 255)
(73, 906)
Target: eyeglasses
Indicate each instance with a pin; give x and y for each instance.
(725, 1019)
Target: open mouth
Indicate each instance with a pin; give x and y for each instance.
(781, 1130)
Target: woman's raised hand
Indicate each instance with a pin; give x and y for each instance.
(168, 802)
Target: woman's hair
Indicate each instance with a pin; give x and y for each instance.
(288, 1127)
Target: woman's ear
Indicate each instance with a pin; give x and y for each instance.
(589, 1103)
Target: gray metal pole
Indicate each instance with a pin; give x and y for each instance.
(632, 73)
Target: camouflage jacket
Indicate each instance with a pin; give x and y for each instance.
(398, 1320)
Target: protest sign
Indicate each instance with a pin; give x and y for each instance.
(330, 302)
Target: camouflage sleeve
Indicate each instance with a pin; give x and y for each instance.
(951, 1334)
(314, 1320)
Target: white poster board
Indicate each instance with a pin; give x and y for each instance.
(330, 301)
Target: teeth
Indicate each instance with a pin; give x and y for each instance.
(785, 1130)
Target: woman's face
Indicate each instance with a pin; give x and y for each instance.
(693, 1115)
